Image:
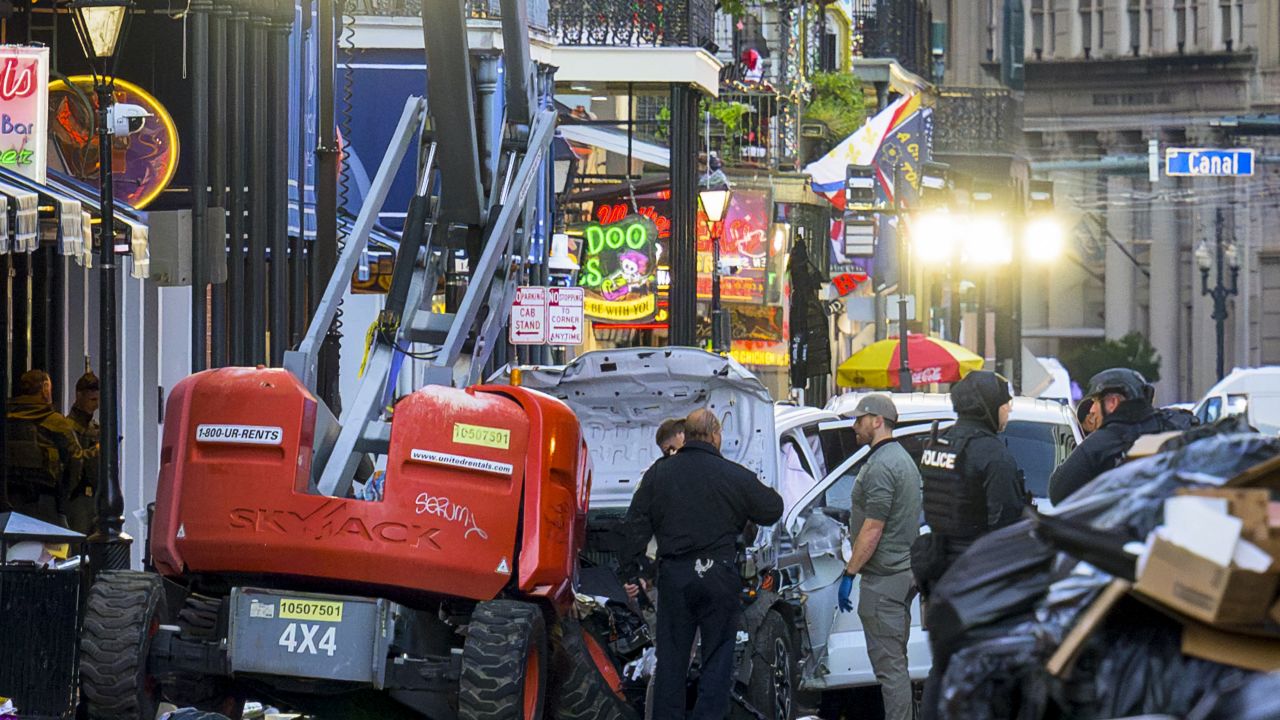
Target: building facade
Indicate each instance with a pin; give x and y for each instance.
(1110, 85)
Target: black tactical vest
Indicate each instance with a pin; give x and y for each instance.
(32, 458)
(954, 505)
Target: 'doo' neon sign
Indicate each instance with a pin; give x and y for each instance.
(619, 269)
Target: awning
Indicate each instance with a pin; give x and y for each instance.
(132, 221)
(26, 219)
(616, 142)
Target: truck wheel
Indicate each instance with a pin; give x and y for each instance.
(198, 621)
(504, 663)
(122, 617)
(773, 670)
(587, 685)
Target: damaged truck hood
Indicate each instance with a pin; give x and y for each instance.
(621, 396)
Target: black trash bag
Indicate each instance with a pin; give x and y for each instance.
(1000, 577)
(1255, 698)
(1130, 499)
(1230, 425)
(1103, 549)
(1066, 599)
(1133, 664)
(998, 679)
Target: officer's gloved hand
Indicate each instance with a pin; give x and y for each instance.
(846, 589)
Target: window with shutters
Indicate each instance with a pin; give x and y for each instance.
(1134, 16)
(1151, 24)
(1086, 27)
(1180, 22)
(1051, 29)
(1037, 28)
(1231, 14)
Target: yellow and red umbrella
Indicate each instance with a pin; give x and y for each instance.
(931, 361)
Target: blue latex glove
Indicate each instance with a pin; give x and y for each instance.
(846, 588)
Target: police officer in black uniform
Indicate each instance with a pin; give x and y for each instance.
(1124, 397)
(972, 485)
(44, 456)
(696, 503)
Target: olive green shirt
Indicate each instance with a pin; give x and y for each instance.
(888, 489)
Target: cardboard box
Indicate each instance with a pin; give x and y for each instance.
(1204, 590)
(1242, 651)
(1253, 507)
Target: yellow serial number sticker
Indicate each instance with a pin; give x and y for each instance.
(482, 436)
(315, 610)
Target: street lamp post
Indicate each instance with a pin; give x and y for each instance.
(715, 202)
(905, 383)
(1226, 255)
(100, 25)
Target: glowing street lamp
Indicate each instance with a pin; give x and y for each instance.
(715, 203)
(1043, 239)
(933, 235)
(988, 242)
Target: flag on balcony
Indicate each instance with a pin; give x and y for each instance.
(863, 148)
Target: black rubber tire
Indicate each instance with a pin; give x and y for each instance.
(124, 612)
(198, 621)
(580, 690)
(773, 671)
(500, 638)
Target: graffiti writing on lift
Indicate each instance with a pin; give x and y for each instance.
(449, 511)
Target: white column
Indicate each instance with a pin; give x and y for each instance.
(140, 343)
(1120, 269)
(170, 341)
(1164, 299)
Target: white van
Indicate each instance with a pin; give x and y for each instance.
(1252, 392)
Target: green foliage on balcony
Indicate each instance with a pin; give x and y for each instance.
(837, 102)
(728, 113)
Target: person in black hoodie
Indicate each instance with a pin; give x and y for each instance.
(972, 486)
(1124, 397)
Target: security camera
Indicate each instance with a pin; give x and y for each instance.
(126, 119)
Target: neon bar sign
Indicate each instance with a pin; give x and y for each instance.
(619, 269)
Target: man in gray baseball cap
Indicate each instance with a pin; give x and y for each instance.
(885, 520)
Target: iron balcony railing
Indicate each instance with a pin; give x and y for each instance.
(747, 129)
(976, 121)
(480, 10)
(633, 23)
(897, 29)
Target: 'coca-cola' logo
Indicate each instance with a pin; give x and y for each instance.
(16, 81)
(927, 375)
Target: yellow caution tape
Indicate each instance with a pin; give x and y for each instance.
(368, 345)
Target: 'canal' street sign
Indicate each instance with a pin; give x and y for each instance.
(1207, 162)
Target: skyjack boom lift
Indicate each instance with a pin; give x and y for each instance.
(273, 581)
